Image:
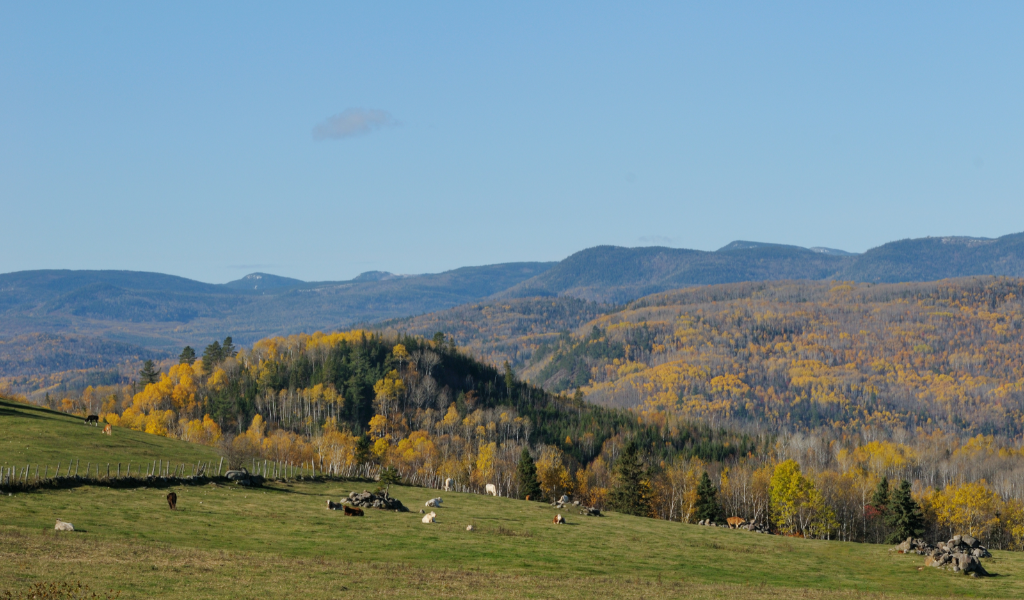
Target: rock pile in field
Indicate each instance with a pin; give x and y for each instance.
(914, 546)
(244, 478)
(567, 503)
(962, 554)
(755, 527)
(370, 500)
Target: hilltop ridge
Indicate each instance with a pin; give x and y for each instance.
(162, 313)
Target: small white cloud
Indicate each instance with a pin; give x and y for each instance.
(352, 122)
(660, 240)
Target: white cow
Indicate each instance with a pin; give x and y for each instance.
(63, 526)
(490, 489)
(434, 502)
(429, 517)
(447, 484)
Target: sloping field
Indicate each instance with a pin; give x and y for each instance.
(127, 539)
(31, 435)
(226, 541)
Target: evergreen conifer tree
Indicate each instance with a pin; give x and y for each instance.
(388, 476)
(149, 373)
(707, 505)
(212, 356)
(228, 348)
(362, 453)
(510, 378)
(880, 499)
(904, 515)
(632, 492)
(187, 356)
(527, 474)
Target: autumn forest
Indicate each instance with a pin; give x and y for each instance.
(808, 405)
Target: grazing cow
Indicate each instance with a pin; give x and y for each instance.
(527, 497)
(490, 489)
(353, 511)
(93, 420)
(63, 526)
(429, 517)
(434, 503)
(172, 501)
(735, 522)
(108, 429)
(558, 520)
(447, 484)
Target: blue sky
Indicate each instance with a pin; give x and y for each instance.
(211, 140)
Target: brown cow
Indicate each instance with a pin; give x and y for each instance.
(353, 511)
(735, 522)
(172, 501)
(558, 520)
(107, 430)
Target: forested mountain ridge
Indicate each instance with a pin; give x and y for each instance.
(617, 274)
(166, 312)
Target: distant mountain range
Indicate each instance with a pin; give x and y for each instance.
(615, 274)
(163, 312)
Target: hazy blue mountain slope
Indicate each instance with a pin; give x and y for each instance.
(261, 282)
(614, 274)
(928, 259)
(167, 312)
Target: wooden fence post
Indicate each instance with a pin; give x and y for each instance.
(221, 464)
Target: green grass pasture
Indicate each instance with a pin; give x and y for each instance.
(281, 541)
(288, 523)
(31, 435)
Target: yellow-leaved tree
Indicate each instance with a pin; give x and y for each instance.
(970, 508)
(793, 498)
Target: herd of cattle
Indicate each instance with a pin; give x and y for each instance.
(94, 420)
(354, 511)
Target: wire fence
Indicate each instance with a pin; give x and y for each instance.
(167, 472)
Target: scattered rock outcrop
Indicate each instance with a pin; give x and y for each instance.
(755, 527)
(962, 554)
(370, 500)
(567, 503)
(244, 478)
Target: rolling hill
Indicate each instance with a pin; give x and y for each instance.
(153, 315)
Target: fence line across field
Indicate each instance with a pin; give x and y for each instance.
(15, 476)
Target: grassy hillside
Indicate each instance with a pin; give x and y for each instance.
(37, 436)
(285, 523)
(226, 541)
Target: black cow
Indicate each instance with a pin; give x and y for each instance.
(172, 501)
(93, 419)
